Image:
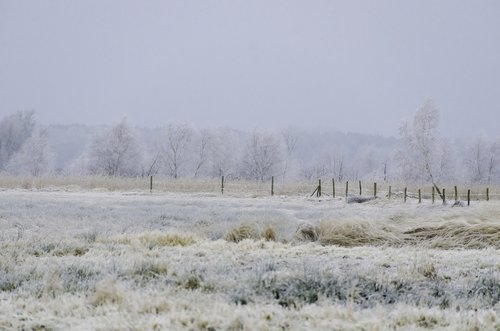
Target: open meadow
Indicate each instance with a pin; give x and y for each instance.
(93, 259)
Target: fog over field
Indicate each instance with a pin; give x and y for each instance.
(249, 165)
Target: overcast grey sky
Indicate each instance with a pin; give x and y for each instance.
(351, 65)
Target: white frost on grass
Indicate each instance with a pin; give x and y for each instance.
(98, 260)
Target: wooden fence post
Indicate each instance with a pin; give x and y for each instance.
(390, 191)
(374, 190)
(487, 194)
(406, 191)
(419, 196)
(360, 190)
(468, 197)
(333, 184)
(444, 196)
(151, 184)
(456, 193)
(346, 190)
(433, 194)
(272, 185)
(319, 188)
(222, 186)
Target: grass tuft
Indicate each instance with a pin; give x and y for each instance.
(240, 233)
(306, 232)
(268, 234)
(159, 239)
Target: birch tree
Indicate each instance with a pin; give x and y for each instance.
(420, 156)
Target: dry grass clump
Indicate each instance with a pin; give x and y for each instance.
(155, 239)
(246, 231)
(240, 233)
(59, 249)
(306, 232)
(356, 233)
(268, 234)
(159, 239)
(453, 235)
(450, 235)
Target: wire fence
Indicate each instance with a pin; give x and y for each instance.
(271, 187)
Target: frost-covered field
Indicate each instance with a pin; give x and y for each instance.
(130, 260)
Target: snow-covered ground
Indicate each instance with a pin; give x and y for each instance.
(132, 260)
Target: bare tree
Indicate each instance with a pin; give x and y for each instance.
(320, 168)
(115, 153)
(339, 165)
(290, 139)
(386, 161)
(331, 164)
(493, 160)
(371, 162)
(481, 160)
(202, 146)
(151, 163)
(35, 158)
(477, 160)
(224, 153)
(175, 149)
(15, 129)
(262, 155)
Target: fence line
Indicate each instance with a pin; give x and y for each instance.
(420, 193)
(329, 188)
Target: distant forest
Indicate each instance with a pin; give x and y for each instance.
(418, 155)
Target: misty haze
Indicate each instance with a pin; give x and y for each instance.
(249, 165)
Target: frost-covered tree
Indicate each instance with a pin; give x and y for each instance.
(15, 129)
(372, 163)
(421, 156)
(321, 167)
(481, 160)
(115, 153)
(79, 166)
(35, 158)
(152, 162)
(203, 140)
(494, 162)
(175, 148)
(476, 160)
(339, 161)
(224, 153)
(261, 157)
(290, 138)
(327, 165)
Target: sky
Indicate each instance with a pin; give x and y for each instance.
(358, 66)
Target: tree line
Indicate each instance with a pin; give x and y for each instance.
(419, 155)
